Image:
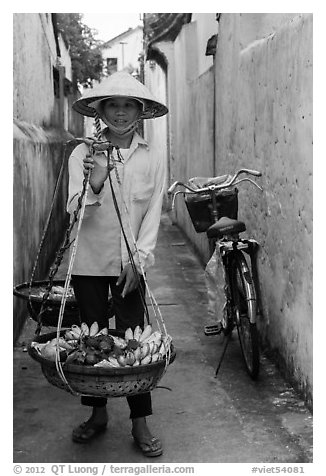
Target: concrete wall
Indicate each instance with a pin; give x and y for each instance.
(264, 121)
(38, 149)
(191, 104)
(156, 130)
(261, 117)
(206, 26)
(191, 115)
(37, 158)
(34, 54)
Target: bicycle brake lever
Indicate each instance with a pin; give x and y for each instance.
(247, 179)
(172, 187)
(253, 172)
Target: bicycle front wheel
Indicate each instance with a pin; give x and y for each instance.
(245, 308)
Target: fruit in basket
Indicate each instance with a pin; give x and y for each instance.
(94, 329)
(151, 346)
(91, 358)
(62, 343)
(101, 343)
(69, 336)
(144, 351)
(117, 351)
(137, 353)
(146, 360)
(76, 357)
(113, 361)
(76, 331)
(91, 341)
(84, 329)
(155, 357)
(103, 332)
(130, 358)
(105, 346)
(133, 344)
(155, 337)
(91, 346)
(119, 342)
(122, 360)
(137, 333)
(49, 351)
(146, 333)
(129, 334)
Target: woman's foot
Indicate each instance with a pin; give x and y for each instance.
(99, 415)
(146, 442)
(91, 428)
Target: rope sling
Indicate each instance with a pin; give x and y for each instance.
(77, 217)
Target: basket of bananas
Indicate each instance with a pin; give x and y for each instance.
(33, 293)
(103, 363)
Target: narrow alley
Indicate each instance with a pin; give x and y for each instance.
(199, 418)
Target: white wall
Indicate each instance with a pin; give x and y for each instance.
(264, 121)
(128, 53)
(207, 26)
(33, 57)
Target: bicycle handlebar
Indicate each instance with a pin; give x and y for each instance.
(229, 183)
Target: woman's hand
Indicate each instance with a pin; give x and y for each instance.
(99, 172)
(131, 280)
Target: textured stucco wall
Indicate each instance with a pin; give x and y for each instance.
(156, 130)
(191, 115)
(206, 26)
(264, 121)
(37, 156)
(34, 53)
(193, 144)
(38, 147)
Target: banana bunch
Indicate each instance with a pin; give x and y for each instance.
(91, 346)
(137, 348)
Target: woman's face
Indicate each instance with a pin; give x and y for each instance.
(121, 111)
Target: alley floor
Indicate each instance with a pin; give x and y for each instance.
(199, 418)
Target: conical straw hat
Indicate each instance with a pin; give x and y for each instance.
(120, 84)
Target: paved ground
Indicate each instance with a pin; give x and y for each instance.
(202, 419)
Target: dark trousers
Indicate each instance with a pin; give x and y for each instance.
(92, 297)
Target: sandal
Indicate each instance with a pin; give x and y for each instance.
(87, 431)
(152, 447)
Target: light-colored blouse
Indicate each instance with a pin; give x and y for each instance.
(101, 249)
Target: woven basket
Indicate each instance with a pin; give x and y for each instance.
(200, 207)
(99, 381)
(52, 306)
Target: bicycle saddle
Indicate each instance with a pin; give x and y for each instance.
(225, 226)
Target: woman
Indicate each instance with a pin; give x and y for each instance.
(102, 260)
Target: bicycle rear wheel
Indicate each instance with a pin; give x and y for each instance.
(245, 308)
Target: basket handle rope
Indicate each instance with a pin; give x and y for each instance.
(70, 266)
(156, 309)
(66, 287)
(60, 253)
(40, 247)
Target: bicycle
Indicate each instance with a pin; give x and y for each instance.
(213, 207)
